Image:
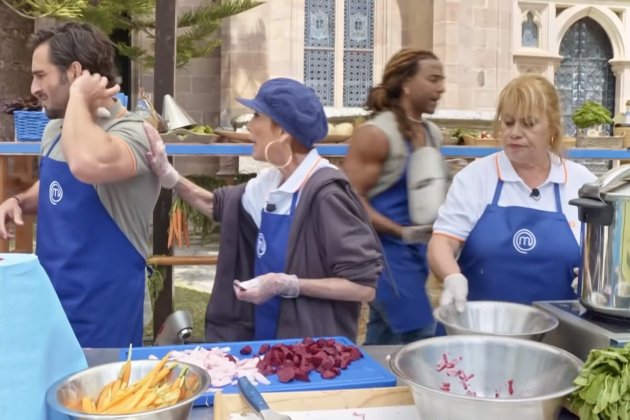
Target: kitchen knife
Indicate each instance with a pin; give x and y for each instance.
(253, 398)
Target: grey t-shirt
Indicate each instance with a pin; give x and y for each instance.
(130, 203)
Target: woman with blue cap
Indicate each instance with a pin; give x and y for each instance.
(297, 229)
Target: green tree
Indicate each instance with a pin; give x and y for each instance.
(196, 28)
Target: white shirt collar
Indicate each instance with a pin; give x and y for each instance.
(304, 170)
(506, 172)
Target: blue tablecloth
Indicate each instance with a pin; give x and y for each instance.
(37, 344)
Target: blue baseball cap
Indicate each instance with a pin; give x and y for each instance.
(294, 107)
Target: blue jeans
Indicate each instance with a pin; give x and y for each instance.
(379, 331)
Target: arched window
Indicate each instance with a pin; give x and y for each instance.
(529, 31)
(585, 72)
(325, 49)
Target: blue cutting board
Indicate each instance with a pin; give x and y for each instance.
(363, 373)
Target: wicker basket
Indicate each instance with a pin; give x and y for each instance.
(29, 125)
(478, 141)
(603, 142)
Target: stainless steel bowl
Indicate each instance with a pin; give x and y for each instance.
(497, 318)
(91, 381)
(542, 376)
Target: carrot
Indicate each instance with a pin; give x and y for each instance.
(87, 405)
(73, 405)
(171, 231)
(176, 225)
(116, 387)
(186, 238)
(105, 394)
(179, 227)
(125, 370)
(146, 401)
(162, 374)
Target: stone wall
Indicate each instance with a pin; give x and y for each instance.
(472, 38)
(197, 90)
(15, 63)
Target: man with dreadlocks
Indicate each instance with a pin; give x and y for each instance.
(395, 165)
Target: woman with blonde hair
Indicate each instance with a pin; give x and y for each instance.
(508, 215)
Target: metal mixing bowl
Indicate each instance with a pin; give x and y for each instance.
(91, 381)
(542, 376)
(497, 318)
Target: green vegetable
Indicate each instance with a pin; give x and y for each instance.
(591, 114)
(604, 385)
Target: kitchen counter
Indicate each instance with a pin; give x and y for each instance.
(379, 353)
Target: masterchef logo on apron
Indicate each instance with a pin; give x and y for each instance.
(261, 245)
(524, 241)
(55, 192)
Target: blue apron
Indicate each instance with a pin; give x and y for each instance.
(271, 252)
(98, 274)
(400, 293)
(521, 255)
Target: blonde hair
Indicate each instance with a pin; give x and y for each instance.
(531, 94)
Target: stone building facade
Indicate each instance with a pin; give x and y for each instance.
(341, 46)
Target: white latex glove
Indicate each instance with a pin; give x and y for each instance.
(574, 283)
(455, 291)
(158, 161)
(417, 234)
(268, 286)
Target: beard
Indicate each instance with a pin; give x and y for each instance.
(54, 114)
(58, 112)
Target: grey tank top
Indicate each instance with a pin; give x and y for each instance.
(394, 165)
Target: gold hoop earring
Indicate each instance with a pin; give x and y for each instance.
(287, 163)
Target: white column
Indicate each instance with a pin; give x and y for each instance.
(621, 68)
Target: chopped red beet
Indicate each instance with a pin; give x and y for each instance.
(286, 374)
(511, 386)
(296, 361)
(246, 350)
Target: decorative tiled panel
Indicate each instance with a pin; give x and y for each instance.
(358, 24)
(358, 56)
(319, 28)
(319, 73)
(357, 76)
(584, 72)
(319, 48)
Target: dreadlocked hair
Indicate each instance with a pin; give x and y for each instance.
(386, 96)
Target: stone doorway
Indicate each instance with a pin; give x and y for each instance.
(585, 72)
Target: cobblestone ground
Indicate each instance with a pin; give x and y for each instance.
(196, 277)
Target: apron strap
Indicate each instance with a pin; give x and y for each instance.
(294, 200)
(53, 145)
(556, 190)
(497, 192)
